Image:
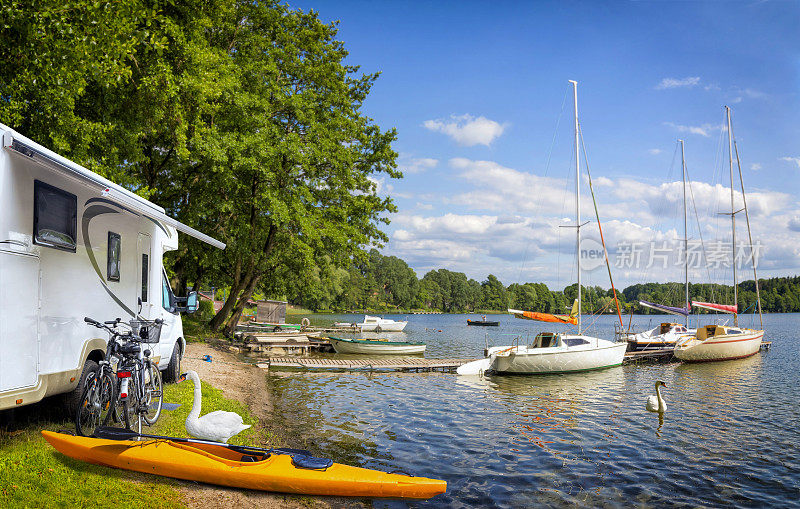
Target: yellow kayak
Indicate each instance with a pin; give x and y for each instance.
(215, 464)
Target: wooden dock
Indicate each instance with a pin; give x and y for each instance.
(398, 364)
(641, 356)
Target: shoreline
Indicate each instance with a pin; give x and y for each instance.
(247, 384)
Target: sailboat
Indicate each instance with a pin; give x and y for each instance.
(667, 334)
(720, 342)
(554, 352)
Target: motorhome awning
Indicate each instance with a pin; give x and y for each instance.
(20, 145)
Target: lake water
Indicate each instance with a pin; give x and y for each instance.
(730, 436)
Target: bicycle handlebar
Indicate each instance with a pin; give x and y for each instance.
(91, 321)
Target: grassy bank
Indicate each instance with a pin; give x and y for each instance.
(33, 474)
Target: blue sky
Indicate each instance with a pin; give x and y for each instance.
(475, 90)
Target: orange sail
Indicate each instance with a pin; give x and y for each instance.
(571, 318)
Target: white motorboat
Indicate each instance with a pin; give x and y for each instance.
(378, 324)
(719, 342)
(376, 346)
(555, 352)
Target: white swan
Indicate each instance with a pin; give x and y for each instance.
(656, 403)
(218, 426)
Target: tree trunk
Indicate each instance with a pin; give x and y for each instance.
(230, 326)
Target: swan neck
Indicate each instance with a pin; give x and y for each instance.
(660, 399)
(198, 398)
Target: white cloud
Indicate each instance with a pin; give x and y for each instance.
(467, 130)
(755, 166)
(654, 151)
(418, 165)
(424, 206)
(678, 82)
(795, 160)
(508, 224)
(702, 130)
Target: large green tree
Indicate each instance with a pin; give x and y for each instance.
(301, 157)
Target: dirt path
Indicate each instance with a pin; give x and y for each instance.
(248, 384)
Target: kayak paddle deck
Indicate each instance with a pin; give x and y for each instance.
(215, 464)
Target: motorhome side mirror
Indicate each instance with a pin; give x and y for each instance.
(191, 302)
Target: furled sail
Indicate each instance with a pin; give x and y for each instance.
(667, 309)
(571, 318)
(724, 308)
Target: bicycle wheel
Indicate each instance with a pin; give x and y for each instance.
(115, 416)
(153, 394)
(96, 403)
(128, 407)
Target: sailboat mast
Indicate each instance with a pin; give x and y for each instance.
(577, 198)
(733, 219)
(685, 233)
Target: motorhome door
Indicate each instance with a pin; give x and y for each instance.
(146, 292)
(19, 319)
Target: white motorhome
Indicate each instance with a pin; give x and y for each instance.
(74, 244)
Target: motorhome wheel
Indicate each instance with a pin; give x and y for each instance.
(73, 398)
(173, 371)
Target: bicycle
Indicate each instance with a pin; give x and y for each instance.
(127, 382)
(98, 398)
(140, 390)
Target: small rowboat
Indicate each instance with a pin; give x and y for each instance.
(376, 346)
(483, 323)
(215, 464)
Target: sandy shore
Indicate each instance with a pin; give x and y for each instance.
(248, 384)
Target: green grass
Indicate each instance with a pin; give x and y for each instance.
(33, 474)
(197, 331)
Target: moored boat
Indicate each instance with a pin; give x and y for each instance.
(557, 352)
(665, 335)
(483, 323)
(378, 324)
(376, 346)
(215, 464)
(718, 342)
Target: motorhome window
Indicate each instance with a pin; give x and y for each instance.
(145, 272)
(55, 217)
(114, 247)
(167, 298)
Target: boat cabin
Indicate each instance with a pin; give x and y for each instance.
(709, 331)
(545, 340)
(671, 326)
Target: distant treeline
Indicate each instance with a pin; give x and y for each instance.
(387, 283)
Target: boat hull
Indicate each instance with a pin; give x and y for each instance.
(218, 465)
(720, 348)
(383, 327)
(483, 323)
(376, 347)
(534, 361)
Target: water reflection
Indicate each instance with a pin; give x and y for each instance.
(729, 436)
